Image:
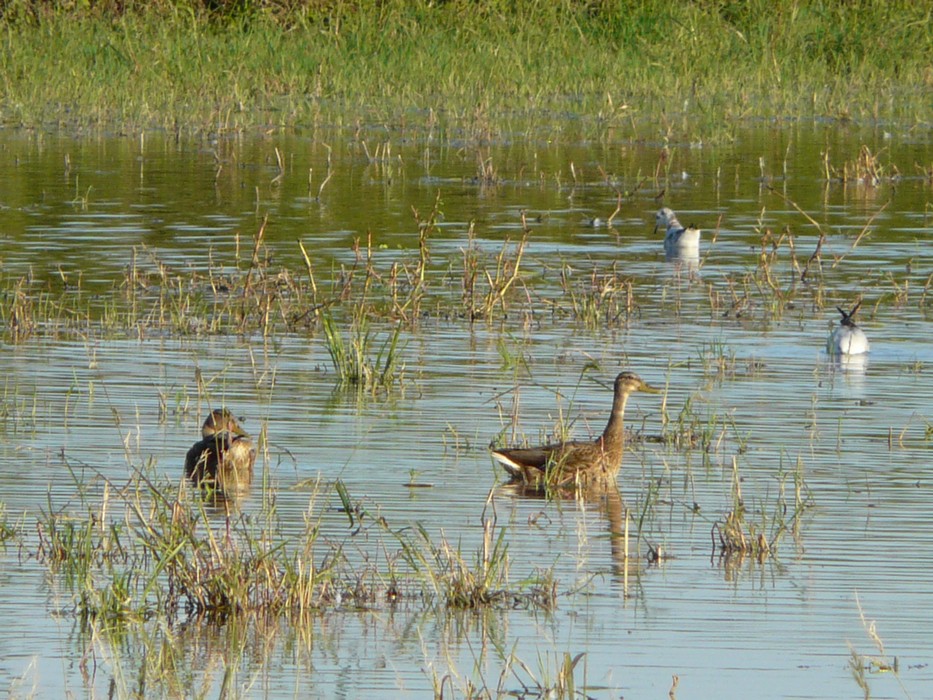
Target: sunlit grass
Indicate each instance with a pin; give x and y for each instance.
(143, 548)
(247, 64)
(8, 530)
(358, 358)
(755, 527)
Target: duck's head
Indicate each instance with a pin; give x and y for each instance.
(629, 383)
(219, 420)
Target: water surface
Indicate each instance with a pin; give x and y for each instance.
(79, 212)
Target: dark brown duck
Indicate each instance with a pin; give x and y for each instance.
(223, 458)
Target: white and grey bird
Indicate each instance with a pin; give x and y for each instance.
(847, 338)
(678, 240)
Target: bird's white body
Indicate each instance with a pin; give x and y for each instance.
(847, 338)
(678, 239)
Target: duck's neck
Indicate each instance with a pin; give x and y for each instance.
(614, 434)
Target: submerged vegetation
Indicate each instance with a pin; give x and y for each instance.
(625, 65)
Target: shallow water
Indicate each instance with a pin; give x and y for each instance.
(76, 408)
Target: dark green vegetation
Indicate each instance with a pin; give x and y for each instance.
(642, 65)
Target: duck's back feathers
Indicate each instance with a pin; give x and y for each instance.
(558, 463)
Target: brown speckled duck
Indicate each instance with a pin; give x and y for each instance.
(567, 463)
(223, 458)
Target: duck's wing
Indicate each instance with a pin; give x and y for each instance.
(204, 456)
(196, 461)
(520, 461)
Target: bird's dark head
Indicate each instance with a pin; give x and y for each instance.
(218, 420)
(848, 318)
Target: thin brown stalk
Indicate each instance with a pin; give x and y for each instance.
(864, 232)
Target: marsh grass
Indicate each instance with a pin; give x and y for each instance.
(692, 430)
(598, 299)
(234, 65)
(8, 530)
(143, 549)
(737, 536)
(551, 675)
(557, 677)
(20, 410)
(248, 293)
(356, 360)
(490, 285)
(465, 582)
(785, 274)
(865, 170)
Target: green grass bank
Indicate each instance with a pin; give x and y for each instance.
(689, 66)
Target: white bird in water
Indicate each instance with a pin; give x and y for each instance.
(847, 338)
(678, 240)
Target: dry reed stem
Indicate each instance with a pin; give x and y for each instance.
(864, 232)
(329, 174)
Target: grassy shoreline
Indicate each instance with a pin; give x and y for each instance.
(262, 65)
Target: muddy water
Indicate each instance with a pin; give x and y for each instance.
(857, 433)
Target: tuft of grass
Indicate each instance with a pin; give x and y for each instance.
(736, 536)
(865, 170)
(143, 549)
(355, 359)
(600, 299)
(554, 675)
(8, 531)
(464, 582)
(486, 290)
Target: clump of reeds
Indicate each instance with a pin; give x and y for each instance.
(146, 549)
(356, 359)
(8, 531)
(408, 280)
(599, 299)
(736, 536)
(480, 580)
(486, 174)
(561, 683)
(556, 676)
(690, 429)
(76, 544)
(865, 170)
(486, 289)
